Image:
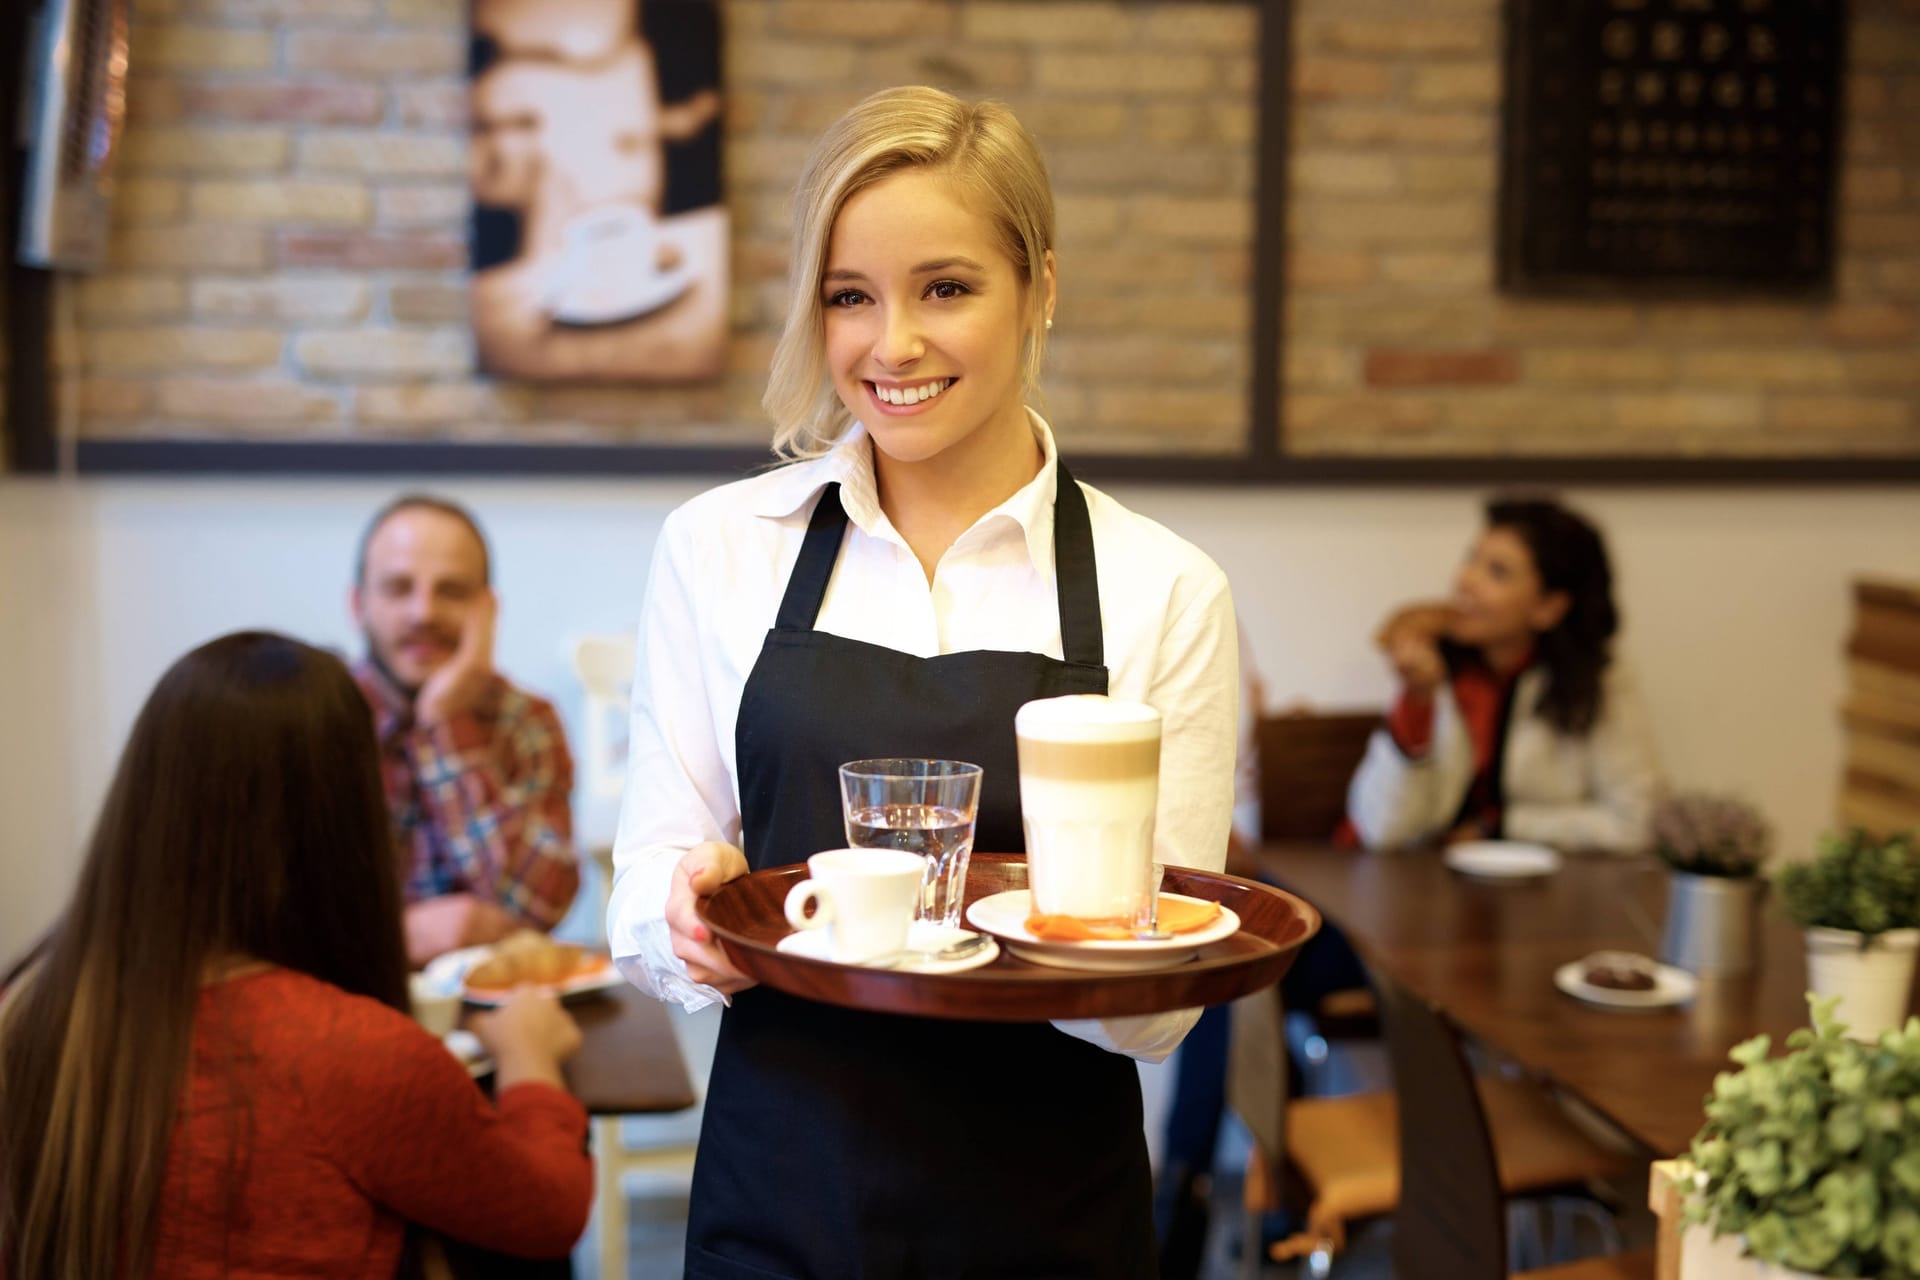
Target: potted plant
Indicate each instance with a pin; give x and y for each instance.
(1811, 1160)
(1859, 902)
(1713, 847)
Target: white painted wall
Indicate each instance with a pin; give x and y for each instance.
(1736, 607)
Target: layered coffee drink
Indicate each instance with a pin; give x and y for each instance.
(1089, 783)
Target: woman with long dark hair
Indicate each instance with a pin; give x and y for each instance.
(207, 1067)
(1514, 719)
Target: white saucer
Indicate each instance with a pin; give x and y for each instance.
(1671, 986)
(1502, 859)
(922, 935)
(466, 1046)
(1004, 915)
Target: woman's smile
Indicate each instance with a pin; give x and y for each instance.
(898, 398)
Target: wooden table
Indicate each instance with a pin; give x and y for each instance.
(629, 1061)
(1485, 952)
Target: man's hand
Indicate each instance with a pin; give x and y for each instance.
(701, 872)
(439, 925)
(458, 686)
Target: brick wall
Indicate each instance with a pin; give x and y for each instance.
(1397, 341)
(288, 261)
(289, 248)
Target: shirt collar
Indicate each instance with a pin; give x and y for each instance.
(392, 709)
(850, 464)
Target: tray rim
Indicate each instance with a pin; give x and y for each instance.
(1014, 990)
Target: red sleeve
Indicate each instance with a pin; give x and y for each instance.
(410, 1128)
(1410, 724)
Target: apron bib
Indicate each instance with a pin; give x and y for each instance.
(844, 1145)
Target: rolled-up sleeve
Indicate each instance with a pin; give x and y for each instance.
(678, 791)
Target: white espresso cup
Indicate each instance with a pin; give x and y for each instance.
(1089, 784)
(863, 898)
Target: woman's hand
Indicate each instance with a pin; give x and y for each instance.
(1416, 660)
(701, 872)
(529, 1036)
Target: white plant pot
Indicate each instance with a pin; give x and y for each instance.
(1702, 1257)
(1873, 984)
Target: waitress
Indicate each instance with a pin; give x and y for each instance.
(922, 566)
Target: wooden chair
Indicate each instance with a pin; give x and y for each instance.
(1341, 1156)
(1464, 1148)
(1306, 760)
(656, 1148)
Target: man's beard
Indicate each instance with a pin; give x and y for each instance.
(378, 658)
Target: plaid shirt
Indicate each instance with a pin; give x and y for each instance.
(481, 803)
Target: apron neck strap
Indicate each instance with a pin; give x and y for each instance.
(1081, 638)
(807, 585)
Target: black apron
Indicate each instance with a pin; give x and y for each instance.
(844, 1145)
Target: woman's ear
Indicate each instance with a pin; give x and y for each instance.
(1048, 284)
(1550, 612)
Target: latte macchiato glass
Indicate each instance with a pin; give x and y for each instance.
(1089, 783)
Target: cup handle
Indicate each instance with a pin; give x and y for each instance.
(796, 908)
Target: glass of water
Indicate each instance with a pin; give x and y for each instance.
(922, 806)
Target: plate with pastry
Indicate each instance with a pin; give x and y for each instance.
(525, 958)
(1186, 925)
(1625, 980)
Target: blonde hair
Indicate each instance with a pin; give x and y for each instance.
(984, 150)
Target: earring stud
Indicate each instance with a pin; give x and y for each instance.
(1049, 322)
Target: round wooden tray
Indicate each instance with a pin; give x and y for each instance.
(747, 917)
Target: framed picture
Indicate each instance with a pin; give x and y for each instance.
(599, 242)
(1670, 147)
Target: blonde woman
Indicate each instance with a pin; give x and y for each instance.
(923, 565)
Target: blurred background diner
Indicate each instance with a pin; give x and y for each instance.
(1313, 211)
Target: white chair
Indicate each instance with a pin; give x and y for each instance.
(627, 1149)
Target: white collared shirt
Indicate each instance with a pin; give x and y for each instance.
(719, 573)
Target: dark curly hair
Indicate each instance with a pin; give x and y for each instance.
(1569, 555)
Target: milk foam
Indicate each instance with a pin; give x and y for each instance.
(1086, 717)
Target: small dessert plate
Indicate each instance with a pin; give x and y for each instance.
(1502, 859)
(1671, 987)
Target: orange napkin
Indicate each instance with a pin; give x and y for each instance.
(1175, 917)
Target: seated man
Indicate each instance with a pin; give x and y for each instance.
(477, 774)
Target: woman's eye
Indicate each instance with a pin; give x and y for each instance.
(845, 298)
(947, 289)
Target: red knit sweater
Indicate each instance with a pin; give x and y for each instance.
(353, 1121)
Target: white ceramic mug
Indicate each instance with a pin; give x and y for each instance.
(863, 898)
(1089, 785)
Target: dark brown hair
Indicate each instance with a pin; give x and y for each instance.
(245, 821)
(1571, 557)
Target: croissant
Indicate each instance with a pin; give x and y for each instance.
(530, 958)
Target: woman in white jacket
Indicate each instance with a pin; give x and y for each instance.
(1513, 719)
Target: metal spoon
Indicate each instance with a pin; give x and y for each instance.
(955, 951)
